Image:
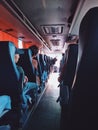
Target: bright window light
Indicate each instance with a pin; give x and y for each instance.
(20, 44)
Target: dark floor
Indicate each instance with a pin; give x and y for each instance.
(48, 113)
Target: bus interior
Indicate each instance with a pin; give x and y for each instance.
(63, 72)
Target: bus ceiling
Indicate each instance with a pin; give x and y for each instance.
(46, 23)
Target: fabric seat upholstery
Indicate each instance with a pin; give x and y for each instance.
(26, 62)
(84, 99)
(9, 76)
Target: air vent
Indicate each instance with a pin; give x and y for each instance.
(53, 29)
(55, 42)
(57, 50)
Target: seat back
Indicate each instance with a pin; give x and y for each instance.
(84, 101)
(26, 62)
(9, 76)
(70, 65)
(41, 62)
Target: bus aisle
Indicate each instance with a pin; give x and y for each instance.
(47, 114)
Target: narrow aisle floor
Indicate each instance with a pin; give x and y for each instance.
(47, 114)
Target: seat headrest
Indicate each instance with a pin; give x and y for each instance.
(87, 62)
(89, 28)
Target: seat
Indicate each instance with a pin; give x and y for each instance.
(83, 112)
(70, 65)
(40, 65)
(9, 76)
(26, 62)
(10, 83)
(67, 74)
